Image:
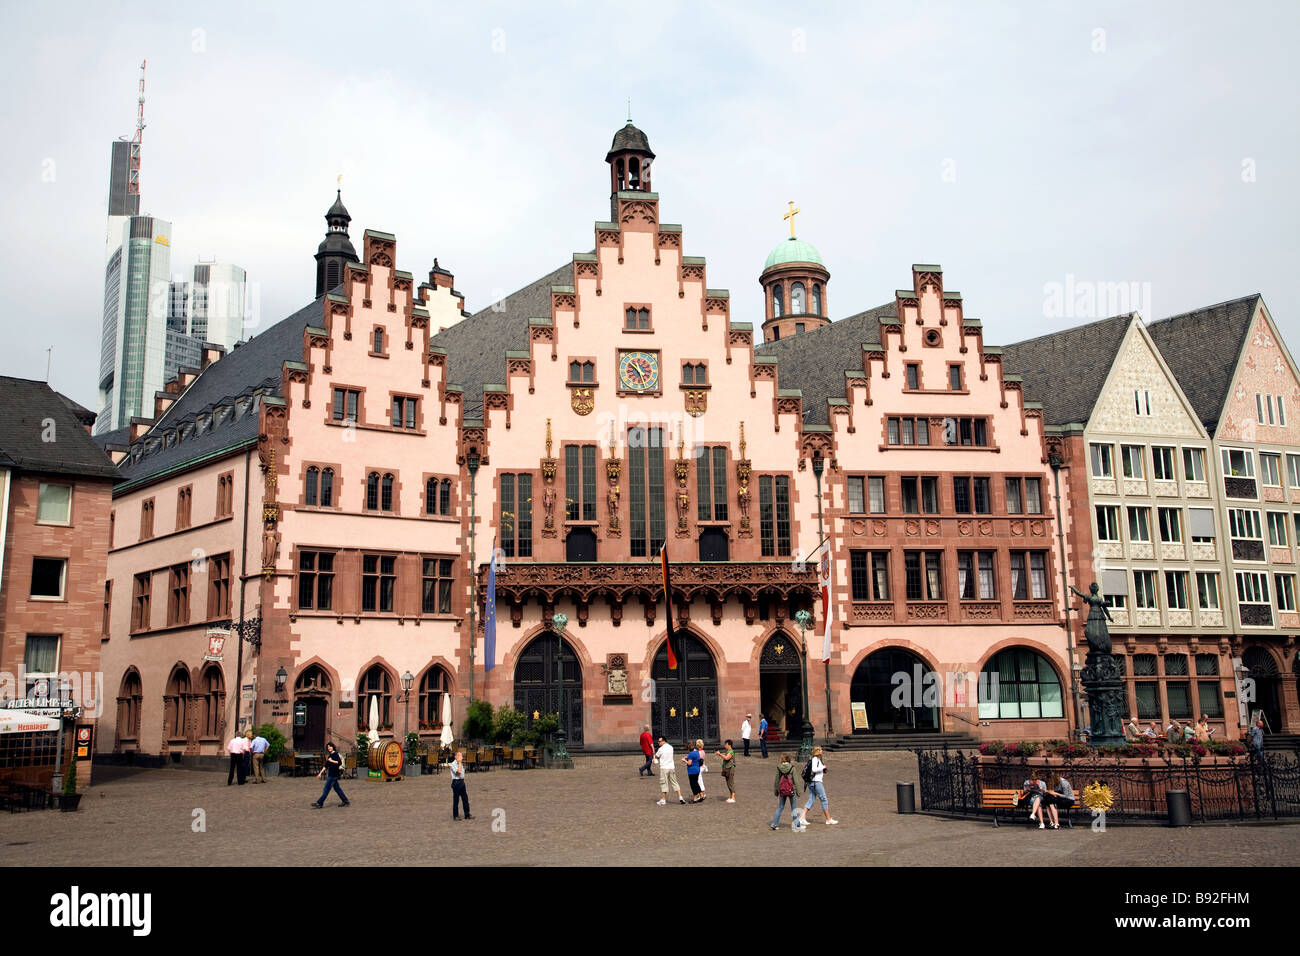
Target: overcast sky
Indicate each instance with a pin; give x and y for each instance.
(1018, 145)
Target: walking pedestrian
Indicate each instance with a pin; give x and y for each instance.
(786, 787)
(333, 764)
(815, 773)
(728, 756)
(1255, 738)
(259, 746)
(1203, 730)
(745, 732)
(667, 772)
(692, 761)
(704, 765)
(236, 750)
(762, 735)
(458, 792)
(647, 748)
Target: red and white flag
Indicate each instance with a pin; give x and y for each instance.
(828, 609)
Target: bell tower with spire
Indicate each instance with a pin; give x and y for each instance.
(794, 282)
(335, 250)
(629, 159)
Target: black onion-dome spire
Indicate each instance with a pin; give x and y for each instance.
(335, 250)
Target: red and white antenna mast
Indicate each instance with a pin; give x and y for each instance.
(133, 179)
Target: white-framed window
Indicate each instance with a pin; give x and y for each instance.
(1238, 463)
(1144, 591)
(1244, 523)
(1142, 402)
(1207, 590)
(1252, 587)
(1108, 522)
(1103, 465)
(1293, 471)
(1277, 533)
(1171, 525)
(1284, 585)
(1270, 469)
(1117, 600)
(48, 578)
(54, 504)
(41, 662)
(1194, 464)
(1139, 524)
(1176, 590)
(1131, 456)
(1162, 464)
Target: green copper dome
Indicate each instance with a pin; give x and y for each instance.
(793, 250)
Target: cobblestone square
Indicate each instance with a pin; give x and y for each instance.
(599, 814)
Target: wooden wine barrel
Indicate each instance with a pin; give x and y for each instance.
(386, 757)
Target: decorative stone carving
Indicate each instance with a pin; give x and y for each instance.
(697, 402)
(548, 504)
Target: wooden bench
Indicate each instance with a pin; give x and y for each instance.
(995, 800)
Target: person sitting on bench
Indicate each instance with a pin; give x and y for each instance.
(1032, 793)
(1060, 795)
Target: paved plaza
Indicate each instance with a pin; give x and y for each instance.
(599, 814)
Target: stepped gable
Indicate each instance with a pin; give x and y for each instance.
(1202, 348)
(1065, 371)
(218, 411)
(815, 361)
(476, 348)
(26, 414)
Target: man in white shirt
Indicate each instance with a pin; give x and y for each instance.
(745, 732)
(667, 772)
(236, 748)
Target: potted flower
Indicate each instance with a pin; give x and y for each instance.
(70, 796)
(412, 754)
(275, 746)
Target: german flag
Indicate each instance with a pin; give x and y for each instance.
(668, 603)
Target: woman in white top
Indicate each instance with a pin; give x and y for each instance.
(816, 789)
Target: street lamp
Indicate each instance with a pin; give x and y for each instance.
(804, 620)
(472, 463)
(281, 678)
(407, 680)
(560, 758)
(818, 465)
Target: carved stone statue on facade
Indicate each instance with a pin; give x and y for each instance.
(270, 546)
(618, 681)
(1096, 630)
(548, 502)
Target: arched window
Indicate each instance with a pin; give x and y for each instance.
(618, 172)
(375, 683)
(129, 699)
(327, 488)
(312, 681)
(444, 497)
(797, 305)
(575, 369)
(386, 494)
(1019, 683)
(213, 687)
(432, 686)
(379, 341)
(634, 173)
(778, 301)
(431, 496)
(176, 703)
(817, 299)
(372, 491)
(313, 478)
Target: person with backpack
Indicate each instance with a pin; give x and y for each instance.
(813, 772)
(786, 787)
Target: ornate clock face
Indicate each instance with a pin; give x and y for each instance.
(638, 371)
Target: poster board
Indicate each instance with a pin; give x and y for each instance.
(859, 709)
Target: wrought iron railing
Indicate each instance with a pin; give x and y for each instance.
(1255, 787)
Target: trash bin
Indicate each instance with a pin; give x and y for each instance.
(906, 797)
(1180, 808)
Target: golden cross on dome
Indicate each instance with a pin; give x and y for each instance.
(794, 211)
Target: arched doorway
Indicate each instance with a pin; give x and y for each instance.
(1263, 671)
(874, 685)
(780, 685)
(685, 705)
(311, 697)
(548, 679)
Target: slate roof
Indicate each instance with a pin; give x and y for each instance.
(1065, 370)
(629, 137)
(815, 361)
(26, 409)
(1202, 348)
(476, 346)
(218, 411)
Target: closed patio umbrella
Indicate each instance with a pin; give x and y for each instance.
(447, 736)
